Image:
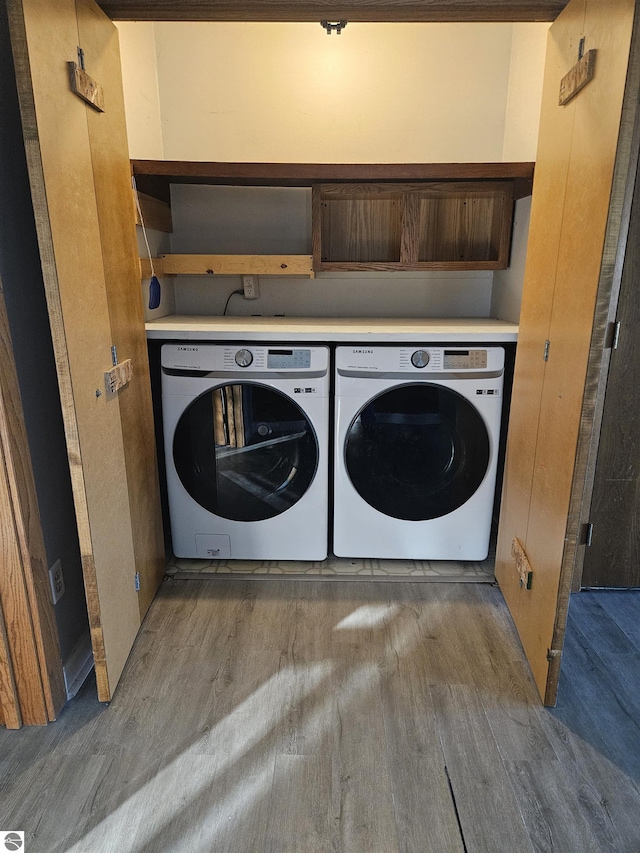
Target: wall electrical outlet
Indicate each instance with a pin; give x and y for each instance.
(56, 579)
(250, 286)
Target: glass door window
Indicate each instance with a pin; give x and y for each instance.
(245, 451)
(417, 451)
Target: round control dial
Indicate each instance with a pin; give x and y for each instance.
(244, 357)
(420, 358)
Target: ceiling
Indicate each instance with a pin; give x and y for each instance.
(316, 10)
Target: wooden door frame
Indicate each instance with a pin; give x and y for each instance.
(31, 679)
(615, 250)
(604, 323)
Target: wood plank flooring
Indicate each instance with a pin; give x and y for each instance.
(354, 717)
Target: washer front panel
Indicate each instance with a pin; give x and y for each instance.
(246, 450)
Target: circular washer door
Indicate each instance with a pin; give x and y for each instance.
(245, 451)
(417, 451)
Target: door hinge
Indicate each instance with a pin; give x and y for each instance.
(588, 537)
(552, 654)
(114, 356)
(547, 344)
(136, 578)
(616, 335)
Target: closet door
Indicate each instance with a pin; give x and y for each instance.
(78, 168)
(570, 215)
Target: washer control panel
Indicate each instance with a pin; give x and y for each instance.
(469, 359)
(288, 359)
(245, 357)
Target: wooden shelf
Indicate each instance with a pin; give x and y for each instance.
(154, 177)
(351, 10)
(164, 265)
(377, 217)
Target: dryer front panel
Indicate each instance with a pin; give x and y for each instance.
(245, 451)
(417, 451)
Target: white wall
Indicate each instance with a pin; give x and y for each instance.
(524, 96)
(259, 220)
(381, 93)
(289, 93)
(506, 296)
(141, 94)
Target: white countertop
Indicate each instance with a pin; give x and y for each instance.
(331, 329)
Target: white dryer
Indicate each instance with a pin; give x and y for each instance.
(246, 431)
(417, 437)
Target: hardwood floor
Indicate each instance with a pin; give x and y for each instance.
(294, 716)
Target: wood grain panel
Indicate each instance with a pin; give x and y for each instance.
(10, 716)
(21, 644)
(608, 24)
(547, 210)
(458, 229)
(578, 265)
(14, 448)
(361, 230)
(112, 179)
(438, 225)
(156, 213)
(44, 37)
(229, 265)
(352, 10)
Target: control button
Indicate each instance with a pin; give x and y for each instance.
(244, 357)
(420, 358)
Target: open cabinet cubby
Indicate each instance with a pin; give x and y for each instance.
(452, 225)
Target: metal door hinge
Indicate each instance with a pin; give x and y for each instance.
(553, 653)
(114, 356)
(137, 581)
(616, 335)
(588, 539)
(547, 344)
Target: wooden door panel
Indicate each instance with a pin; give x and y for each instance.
(44, 38)
(9, 703)
(112, 178)
(25, 595)
(608, 25)
(547, 210)
(572, 189)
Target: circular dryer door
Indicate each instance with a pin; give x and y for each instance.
(245, 451)
(417, 451)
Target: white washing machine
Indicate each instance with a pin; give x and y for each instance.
(417, 436)
(246, 429)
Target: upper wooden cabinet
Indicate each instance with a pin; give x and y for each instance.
(402, 216)
(458, 225)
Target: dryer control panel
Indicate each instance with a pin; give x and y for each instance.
(423, 360)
